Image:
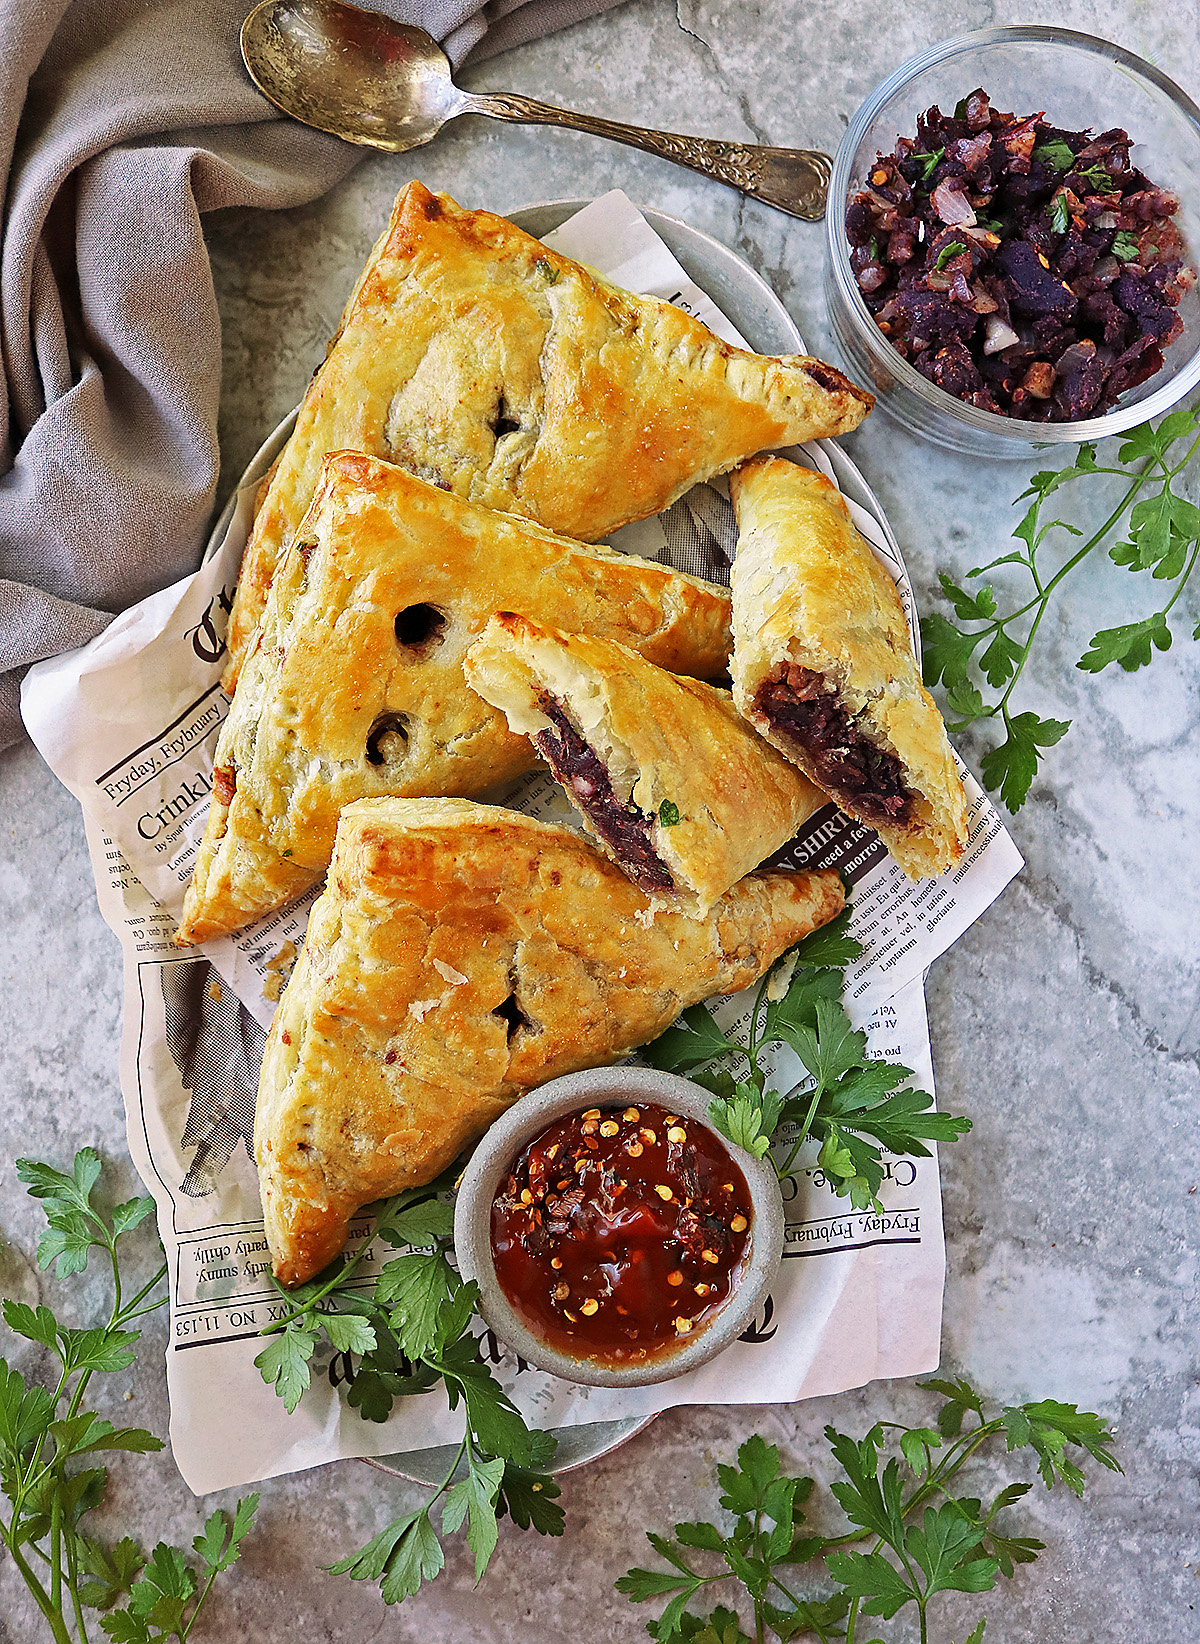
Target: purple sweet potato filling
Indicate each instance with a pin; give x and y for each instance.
(624, 828)
(805, 709)
(1025, 269)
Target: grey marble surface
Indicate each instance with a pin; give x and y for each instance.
(1066, 1022)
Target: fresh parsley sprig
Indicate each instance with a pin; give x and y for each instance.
(411, 1330)
(856, 1107)
(922, 1537)
(45, 1432)
(1163, 539)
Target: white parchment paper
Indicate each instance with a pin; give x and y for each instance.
(129, 723)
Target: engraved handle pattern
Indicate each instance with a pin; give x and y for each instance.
(795, 180)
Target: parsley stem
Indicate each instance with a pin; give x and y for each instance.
(851, 1621)
(144, 1291)
(1042, 599)
(1183, 581)
(1191, 452)
(205, 1590)
(818, 1092)
(56, 1551)
(40, 1597)
(73, 1583)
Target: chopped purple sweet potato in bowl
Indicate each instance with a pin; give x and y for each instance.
(1016, 264)
(1028, 270)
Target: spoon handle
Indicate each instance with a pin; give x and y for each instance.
(795, 180)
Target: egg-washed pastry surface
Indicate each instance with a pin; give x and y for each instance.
(483, 361)
(460, 955)
(823, 665)
(354, 686)
(681, 793)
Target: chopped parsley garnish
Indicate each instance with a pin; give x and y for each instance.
(668, 814)
(1097, 179)
(1125, 247)
(1056, 153)
(947, 252)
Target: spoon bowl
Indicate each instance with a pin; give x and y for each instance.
(369, 80)
(353, 73)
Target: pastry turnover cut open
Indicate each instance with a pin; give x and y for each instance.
(487, 363)
(680, 791)
(459, 955)
(823, 665)
(354, 685)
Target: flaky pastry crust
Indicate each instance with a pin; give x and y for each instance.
(481, 360)
(809, 595)
(689, 784)
(354, 687)
(460, 955)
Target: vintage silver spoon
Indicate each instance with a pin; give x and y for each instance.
(370, 80)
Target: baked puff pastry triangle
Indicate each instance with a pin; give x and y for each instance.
(460, 955)
(354, 687)
(823, 665)
(481, 360)
(682, 794)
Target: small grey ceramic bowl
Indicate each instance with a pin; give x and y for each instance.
(491, 1162)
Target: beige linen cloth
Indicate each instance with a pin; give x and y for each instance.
(121, 122)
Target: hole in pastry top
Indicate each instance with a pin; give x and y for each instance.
(511, 1013)
(503, 422)
(387, 739)
(420, 628)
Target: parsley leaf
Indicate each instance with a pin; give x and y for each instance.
(695, 1038)
(971, 607)
(946, 651)
(474, 1498)
(113, 1570)
(530, 1499)
(284, 1363)
(921, 1547)
(415, 1285)
(44, 1432)
(1125, 246)
(748, 1117)
(668, 814)
(853, 1107)
(1163, 539)
(1128, 645)
(1013, 765)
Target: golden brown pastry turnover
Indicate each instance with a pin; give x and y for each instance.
(354, 686)
(483, 361)
(679, 790)
(459, 955)
(823, 665)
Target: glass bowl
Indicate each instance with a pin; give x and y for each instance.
(1079, 82)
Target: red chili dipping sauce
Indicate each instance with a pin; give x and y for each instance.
(619, 1231)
